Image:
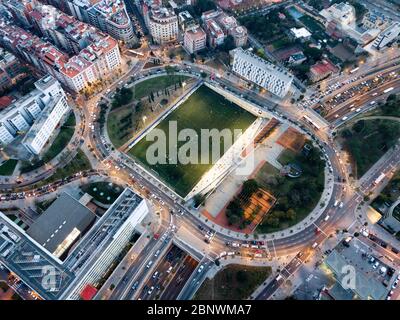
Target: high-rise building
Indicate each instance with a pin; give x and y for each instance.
(261, 72)
(78, 250)
(40, 110)
(45, 124)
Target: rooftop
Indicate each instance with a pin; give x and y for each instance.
(61, 224)
(368, 281)
(300, 32)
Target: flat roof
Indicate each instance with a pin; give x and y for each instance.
(300, 32)
(64, 217)
(368, 281)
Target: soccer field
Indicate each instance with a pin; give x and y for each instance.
(204, 109)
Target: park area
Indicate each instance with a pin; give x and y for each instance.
(295, 197)
(134, 108)
(152, 85)
(367, 141)
(234, 282)
(204, 109)
(7, 167)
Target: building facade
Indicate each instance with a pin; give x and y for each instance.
(97, 54)
(130, 210)
(261, 72)
(20, 116)
(163, 25)
(219, 25)
(342, 13)
(195, 39)
(45, 124)
(10, 69)
(387, 36)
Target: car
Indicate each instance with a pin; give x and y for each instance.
(314, 245)
(149, 264)
(155, 275)
(157, 253)
(135, 285)
(394, 286)
(169, 269)
(200, 269)
(375, 265)
(336, 203)
(150, 290)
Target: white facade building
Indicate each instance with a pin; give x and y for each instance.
(125, 214)
(163, 25)
(44, 126)
(342, 13)
(261, 72)
(17, 118)
(387, 36)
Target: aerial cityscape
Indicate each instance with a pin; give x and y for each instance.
(202, 150)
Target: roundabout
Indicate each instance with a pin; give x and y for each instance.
(280, 248)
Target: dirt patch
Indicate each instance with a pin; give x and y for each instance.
(292, 139)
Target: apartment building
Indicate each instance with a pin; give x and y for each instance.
(111, 16)
(10, 69)
(44, 126)
(46, 102)
(219, 25)
(261, 72)
(163, 25)
(99, 57)
(195, 39)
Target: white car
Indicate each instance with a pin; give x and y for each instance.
(200, 269)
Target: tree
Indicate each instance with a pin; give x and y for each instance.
(203, 5)
(291, 215)
(241, 276)
(228, 45)
(170, 70)
(249, 187)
